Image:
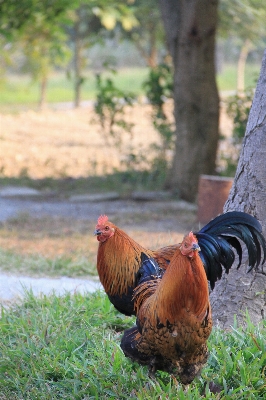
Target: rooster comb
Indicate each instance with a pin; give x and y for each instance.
(102, 219)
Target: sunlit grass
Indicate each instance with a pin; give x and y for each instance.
(227, 78)
(68, 348)
(20, 90)
(39, 266)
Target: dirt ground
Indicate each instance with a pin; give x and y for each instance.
(68, 142)
(60, 143)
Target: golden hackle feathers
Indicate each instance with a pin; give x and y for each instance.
(118, 261)
(179, 288)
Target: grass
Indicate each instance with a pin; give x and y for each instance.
(47, 246)
(227, 79)
(68, 348)
(20, 90)
(38, 266)
(122, 182)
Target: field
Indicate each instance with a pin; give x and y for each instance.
(17, 91)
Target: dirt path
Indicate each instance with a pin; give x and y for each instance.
(54, 227)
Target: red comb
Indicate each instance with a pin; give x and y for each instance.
(192, 236)
(102, 219)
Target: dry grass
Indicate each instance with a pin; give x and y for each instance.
(65, 142)
(68, 143)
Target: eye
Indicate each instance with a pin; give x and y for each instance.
(107, 228)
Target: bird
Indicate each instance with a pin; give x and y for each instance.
(118, 262)
(220, 240)
(173, 315)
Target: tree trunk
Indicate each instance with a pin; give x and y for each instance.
(77, 65)
(190, 30)
(239, 290)
(245, 49)
(43, 91)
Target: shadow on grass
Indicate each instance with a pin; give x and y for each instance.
(122, 182)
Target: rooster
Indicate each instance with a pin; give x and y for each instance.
(119, 256)
(173, 315)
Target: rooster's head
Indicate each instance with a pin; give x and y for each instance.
(104, 229)
(189, 245)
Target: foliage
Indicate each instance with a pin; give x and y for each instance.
(159, 89)
(16, 15)
(147, 35)
(68, 348)
(237, 108)
(243, 19)
(110, 106)
(44, 46)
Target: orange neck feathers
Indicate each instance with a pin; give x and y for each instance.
(118, 261)
(184, 288)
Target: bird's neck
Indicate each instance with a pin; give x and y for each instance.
(118, 261)
(184, 288)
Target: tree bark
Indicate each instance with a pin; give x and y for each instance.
(240, 291)
(190, 30)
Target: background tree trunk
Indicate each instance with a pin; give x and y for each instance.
(241, 64)
(77, 65)
(190, 30)
(43, 92)
(238, 290)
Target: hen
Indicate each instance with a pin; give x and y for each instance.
(119, 256)
(173, 315)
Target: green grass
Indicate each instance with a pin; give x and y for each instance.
(227, 79)
(20, 90)
(68, 348)
(36, 265)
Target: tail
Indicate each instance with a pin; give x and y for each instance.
(224, 233)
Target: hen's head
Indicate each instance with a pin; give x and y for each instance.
(104, 229)
(189, 245)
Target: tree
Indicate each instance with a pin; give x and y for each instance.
(91, 20)
(245, 21)
(147, 35)
(38, 26)
(84, 32)
(44, 44)
(238, 290)
(190, 31)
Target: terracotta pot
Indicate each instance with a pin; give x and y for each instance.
(212, 195)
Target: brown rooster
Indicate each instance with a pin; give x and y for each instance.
(118, 261)
(173, 315)
(119, 256)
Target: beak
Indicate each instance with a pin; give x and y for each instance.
(195, 247)
(97, 232)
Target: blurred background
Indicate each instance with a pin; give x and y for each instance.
(87, 88)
